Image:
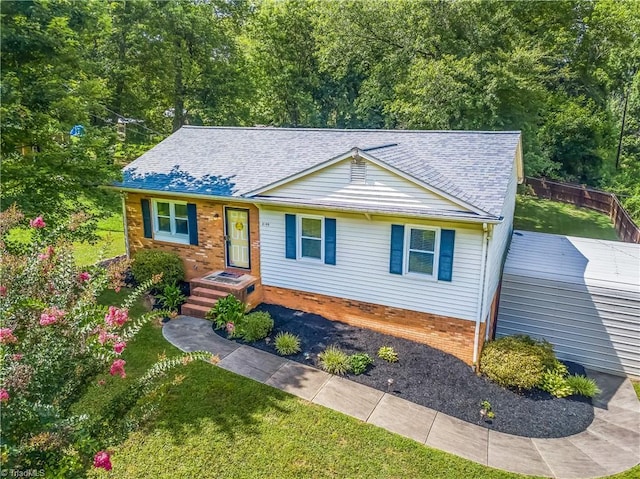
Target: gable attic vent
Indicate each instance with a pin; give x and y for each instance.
(358, 170)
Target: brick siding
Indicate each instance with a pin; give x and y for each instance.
(454, 336)
(209, 255)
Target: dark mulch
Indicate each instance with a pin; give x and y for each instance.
(435, 379)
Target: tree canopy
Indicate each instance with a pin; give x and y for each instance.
(562, 72)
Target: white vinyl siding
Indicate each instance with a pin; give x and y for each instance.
(362, 268)
(381, 188)
(498, 244)
(170, 221)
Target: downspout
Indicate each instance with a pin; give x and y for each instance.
(126, 228)
(483, 272)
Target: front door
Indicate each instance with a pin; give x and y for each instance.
(237, 235)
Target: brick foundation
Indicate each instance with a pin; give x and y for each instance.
(454, 336)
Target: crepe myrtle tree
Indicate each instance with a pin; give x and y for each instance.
(54, 339)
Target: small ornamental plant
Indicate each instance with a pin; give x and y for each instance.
(360, 362)
(287, 344)
(583, 386)
(54, 339)
(227, 310)
(388, 354)
(256, 326)
(335, 361)
(486, 411)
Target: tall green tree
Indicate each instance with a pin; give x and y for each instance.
(178, 62)
(50, 83)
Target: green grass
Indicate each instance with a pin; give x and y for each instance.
(215, 424)
(139, 354)
(111, 241)
(636, 386)
(545, 216)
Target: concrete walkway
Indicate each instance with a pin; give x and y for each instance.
(611, 444)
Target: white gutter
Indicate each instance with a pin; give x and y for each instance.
(483, 272)
(268, 201)
(126, 227)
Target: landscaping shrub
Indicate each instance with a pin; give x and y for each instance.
(255, 326)
(517, 361)
(334, 360)
(583, 386)
(287, 344)
(554, 381)
(388, 354)
(55, 338)
(227, 310)
(171, 297)
(148, 263)
(360, 362)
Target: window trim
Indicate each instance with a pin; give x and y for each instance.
(172, 237)
(436, 252)
(299, 238)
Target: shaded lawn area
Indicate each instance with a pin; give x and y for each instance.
(110, 243)
(546, 216)
(216, 424)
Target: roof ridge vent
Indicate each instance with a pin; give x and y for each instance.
(379, 147)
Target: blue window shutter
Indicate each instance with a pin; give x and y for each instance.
(146, 218)
(192, 218)
(290, 236)
(397, 249)
(445, 262)
(330, 241)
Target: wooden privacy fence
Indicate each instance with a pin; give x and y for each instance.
(597, 200)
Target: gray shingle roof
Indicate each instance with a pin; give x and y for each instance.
(220, 161)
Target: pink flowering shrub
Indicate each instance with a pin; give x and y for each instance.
(116, 317)
(37, 223)
(102, 460)
(7, 337)
(117, 368)
(55, 338)
(119, 347)
(51, 316)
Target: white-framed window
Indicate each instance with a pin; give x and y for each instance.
(170, 221)
(421, 250)
(311, 237)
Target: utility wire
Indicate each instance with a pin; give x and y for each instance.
(137, 124)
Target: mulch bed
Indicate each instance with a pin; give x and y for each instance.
(434, 379)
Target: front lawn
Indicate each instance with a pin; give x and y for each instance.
(216, 424)
(546, 216)
(110, 243)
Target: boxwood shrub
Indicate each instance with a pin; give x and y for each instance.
(256, 326)
(149, 262)
(517, 361)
